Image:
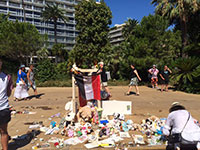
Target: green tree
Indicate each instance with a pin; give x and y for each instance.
(54, 13)
(92, 22)
(19, 39)
(151, 43)
(60, 51)
(178, 9)
(128, 29)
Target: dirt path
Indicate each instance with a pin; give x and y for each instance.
(53, 100)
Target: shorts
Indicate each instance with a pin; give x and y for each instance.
(134, 81)
(5, 116)
(33, 85)
(104, 84)
(164, 81)
(154, 80)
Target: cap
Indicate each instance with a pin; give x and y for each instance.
(154, 65)
(101, 63)
(22, 66)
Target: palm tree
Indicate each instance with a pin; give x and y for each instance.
(23, 6)
(128, 29)
(54, 13)
(177, 9)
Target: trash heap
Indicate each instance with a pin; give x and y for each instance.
(93, 130)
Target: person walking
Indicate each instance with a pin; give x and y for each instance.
(21, 87)
(165, 78)
(154, 76)
(104, 79)
(31, 79)
(134, 80)
(6, 86)
(180, 123)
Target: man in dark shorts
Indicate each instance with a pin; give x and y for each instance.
(5, 117)
(165, 78)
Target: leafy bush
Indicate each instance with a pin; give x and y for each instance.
(187, 74)
(45, 71)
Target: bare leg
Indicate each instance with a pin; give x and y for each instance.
(162, 87)
(137, 90)
(166, 89)
(35, 92)
(4, 136)
(107, 90)
(152, 83)
(129, 90)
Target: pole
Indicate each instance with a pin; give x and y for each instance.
(73, 94)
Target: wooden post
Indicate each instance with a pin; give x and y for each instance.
(73, 94)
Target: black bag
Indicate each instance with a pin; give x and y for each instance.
(175, 138)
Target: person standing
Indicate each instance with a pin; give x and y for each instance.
(180, 121)
(134, 80)
(31, 79)
(21, 87)
(154, 76)
(6, 86)
(165, 78)
(104, 79)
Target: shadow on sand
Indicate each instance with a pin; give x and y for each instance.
(23, 140)
(35, 96)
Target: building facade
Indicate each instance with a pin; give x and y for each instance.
(66, 33)
(116, 35)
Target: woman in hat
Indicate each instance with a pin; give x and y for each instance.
(180, 121)
(21, 87)
(154, 78)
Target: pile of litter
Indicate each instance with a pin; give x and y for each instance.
(93, 130)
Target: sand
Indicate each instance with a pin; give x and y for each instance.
(53, 100)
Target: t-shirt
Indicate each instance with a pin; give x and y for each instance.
(21, 76)
(3, 91)
(132, 74)
(154, 72)
(165, 74)
(104, 75)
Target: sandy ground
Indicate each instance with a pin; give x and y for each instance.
(53, 100)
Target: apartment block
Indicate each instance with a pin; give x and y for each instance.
(66, 33)
(115, 34)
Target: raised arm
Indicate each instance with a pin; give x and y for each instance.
(135, 71)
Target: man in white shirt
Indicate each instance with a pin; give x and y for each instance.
(5, 117)
(180, 121)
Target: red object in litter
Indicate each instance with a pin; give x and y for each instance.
(55, 144)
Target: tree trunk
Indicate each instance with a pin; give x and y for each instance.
(55, 30)
(183, 23)
(23, 5)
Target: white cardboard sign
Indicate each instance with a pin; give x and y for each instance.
(113, 106)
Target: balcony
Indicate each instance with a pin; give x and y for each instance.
(3, 3)
(3, 12)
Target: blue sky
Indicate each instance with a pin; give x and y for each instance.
(124, 9)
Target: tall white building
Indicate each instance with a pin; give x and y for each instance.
(66, 33)
(116, 35)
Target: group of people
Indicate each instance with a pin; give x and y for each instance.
(179, 121)
(153, 75)
(164, 76)
(24, 82)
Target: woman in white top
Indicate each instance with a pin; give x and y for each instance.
(180, 121)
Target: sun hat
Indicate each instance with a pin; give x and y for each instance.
(101, 63)
(22, 66)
